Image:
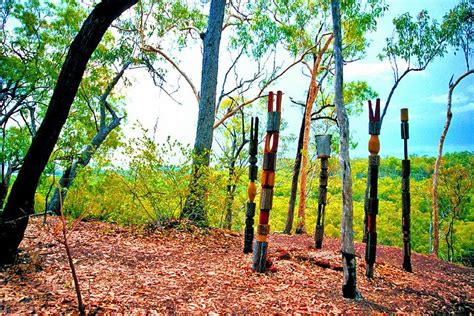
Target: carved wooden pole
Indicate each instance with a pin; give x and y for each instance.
(323, 143)
(405, 192)
(267, 182)
(252, 189)
(373, 202)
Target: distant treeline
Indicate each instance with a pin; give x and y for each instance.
(149, 190)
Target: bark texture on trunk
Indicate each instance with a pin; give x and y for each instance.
(435, 181)
(313, 91)
(20, 203)
(294, 181)
(194, 207)
(349, 289)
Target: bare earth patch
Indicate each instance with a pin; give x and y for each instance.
(168, 271)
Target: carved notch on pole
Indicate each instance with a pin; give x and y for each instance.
(373, 201)
(267, 182)
(323, 145)
(252, 188)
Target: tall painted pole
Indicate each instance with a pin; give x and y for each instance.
(267, 182)
(373, 201)
(405, 192)
(252, 189)
(323, 145)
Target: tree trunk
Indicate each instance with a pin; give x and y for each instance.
(20, 203)
(194, 207)
(229, 199)
(449, 116)
(449, 239)
(294, 181)
(5, 184)
(3, 191)
(85, 156)
(313, 91)
(69, 175)
(349, 289)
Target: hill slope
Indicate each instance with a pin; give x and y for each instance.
(174, 271)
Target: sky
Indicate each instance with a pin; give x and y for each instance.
(423, 93)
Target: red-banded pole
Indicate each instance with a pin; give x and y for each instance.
(405, 192)
(252, 188)
(323, 146)
(267, 182)
(373, 202)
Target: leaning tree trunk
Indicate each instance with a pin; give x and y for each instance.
(5, 184)
(194, 207)
(313, 91)
(20, 203)
(69, 175)
(85, 156)
(449, 116)
(294, 181)
(349, 289)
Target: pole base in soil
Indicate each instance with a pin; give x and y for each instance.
(318, 236)
(349, 289)
(407, 265)
(260, 256)
(248, 243)
(369, 271)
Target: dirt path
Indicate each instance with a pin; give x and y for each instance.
(173, 271)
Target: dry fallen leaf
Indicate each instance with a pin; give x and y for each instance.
(126, 270)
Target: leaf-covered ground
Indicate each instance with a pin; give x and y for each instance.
(167, 271)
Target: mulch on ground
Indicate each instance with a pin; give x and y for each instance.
(174, 271)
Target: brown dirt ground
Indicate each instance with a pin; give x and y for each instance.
(175, 271)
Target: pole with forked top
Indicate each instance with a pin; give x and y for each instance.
(373, 201)
(267, 182)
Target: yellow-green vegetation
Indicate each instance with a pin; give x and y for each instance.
(151, 185)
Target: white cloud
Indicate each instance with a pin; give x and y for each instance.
(470, 88)
(464, 108)
(443, 98)
(359, 70)
(438, 98)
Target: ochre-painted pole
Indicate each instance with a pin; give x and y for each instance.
(252, 189)
(267, 182)
(405, 192)
(373, 202)
(323, 145)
